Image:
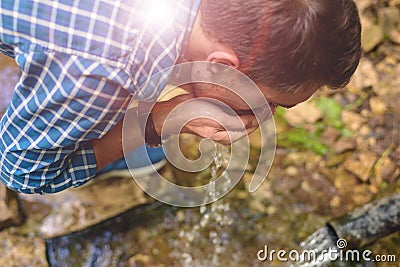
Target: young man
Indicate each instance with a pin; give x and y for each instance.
(82, 61)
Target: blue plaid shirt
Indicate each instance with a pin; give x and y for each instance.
(82, 61)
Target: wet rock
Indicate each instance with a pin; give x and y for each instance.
(140, 260)
(10, 212)
(76, 209)
(22, 251)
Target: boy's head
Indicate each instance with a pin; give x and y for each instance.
(290, 48)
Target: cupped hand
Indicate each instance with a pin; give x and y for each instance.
(203, 117)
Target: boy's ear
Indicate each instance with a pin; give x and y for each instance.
(224, 55)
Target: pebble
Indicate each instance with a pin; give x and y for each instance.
(378, 106)
(335, 202)
(292, 171)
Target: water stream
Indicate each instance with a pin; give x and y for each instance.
(214, 223)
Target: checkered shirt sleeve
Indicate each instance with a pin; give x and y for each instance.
(82, 61)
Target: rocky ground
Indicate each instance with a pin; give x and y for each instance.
(345, 144)
(338, 151)
(352, 136)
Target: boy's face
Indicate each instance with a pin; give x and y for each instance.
(274, 98)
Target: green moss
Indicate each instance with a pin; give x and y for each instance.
(301, 139)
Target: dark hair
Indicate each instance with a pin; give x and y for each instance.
(289, 44)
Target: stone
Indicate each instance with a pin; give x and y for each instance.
(353, 88)
(314, 162)
(378, 106)
(335, 202)
(387, 64)
(297, 159)
(365, 130)
(344, 181)
(363, 4)
(140, 260)
(344, 145)
(352, 120)
(362, 165)
(77, 209)
(10, 212)
(388, 17)
(292, 171)
(305, 185)
(384, 170)
(373, 189)
(304, 113)
(371, 37)
(395, 36)
(336, 159)
(365, 75)
(361, 198)
(22, 251)
(362, 144)
(330, 135)
(394, 2)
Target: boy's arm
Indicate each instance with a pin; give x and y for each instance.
(108, 148)
(57, 109)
